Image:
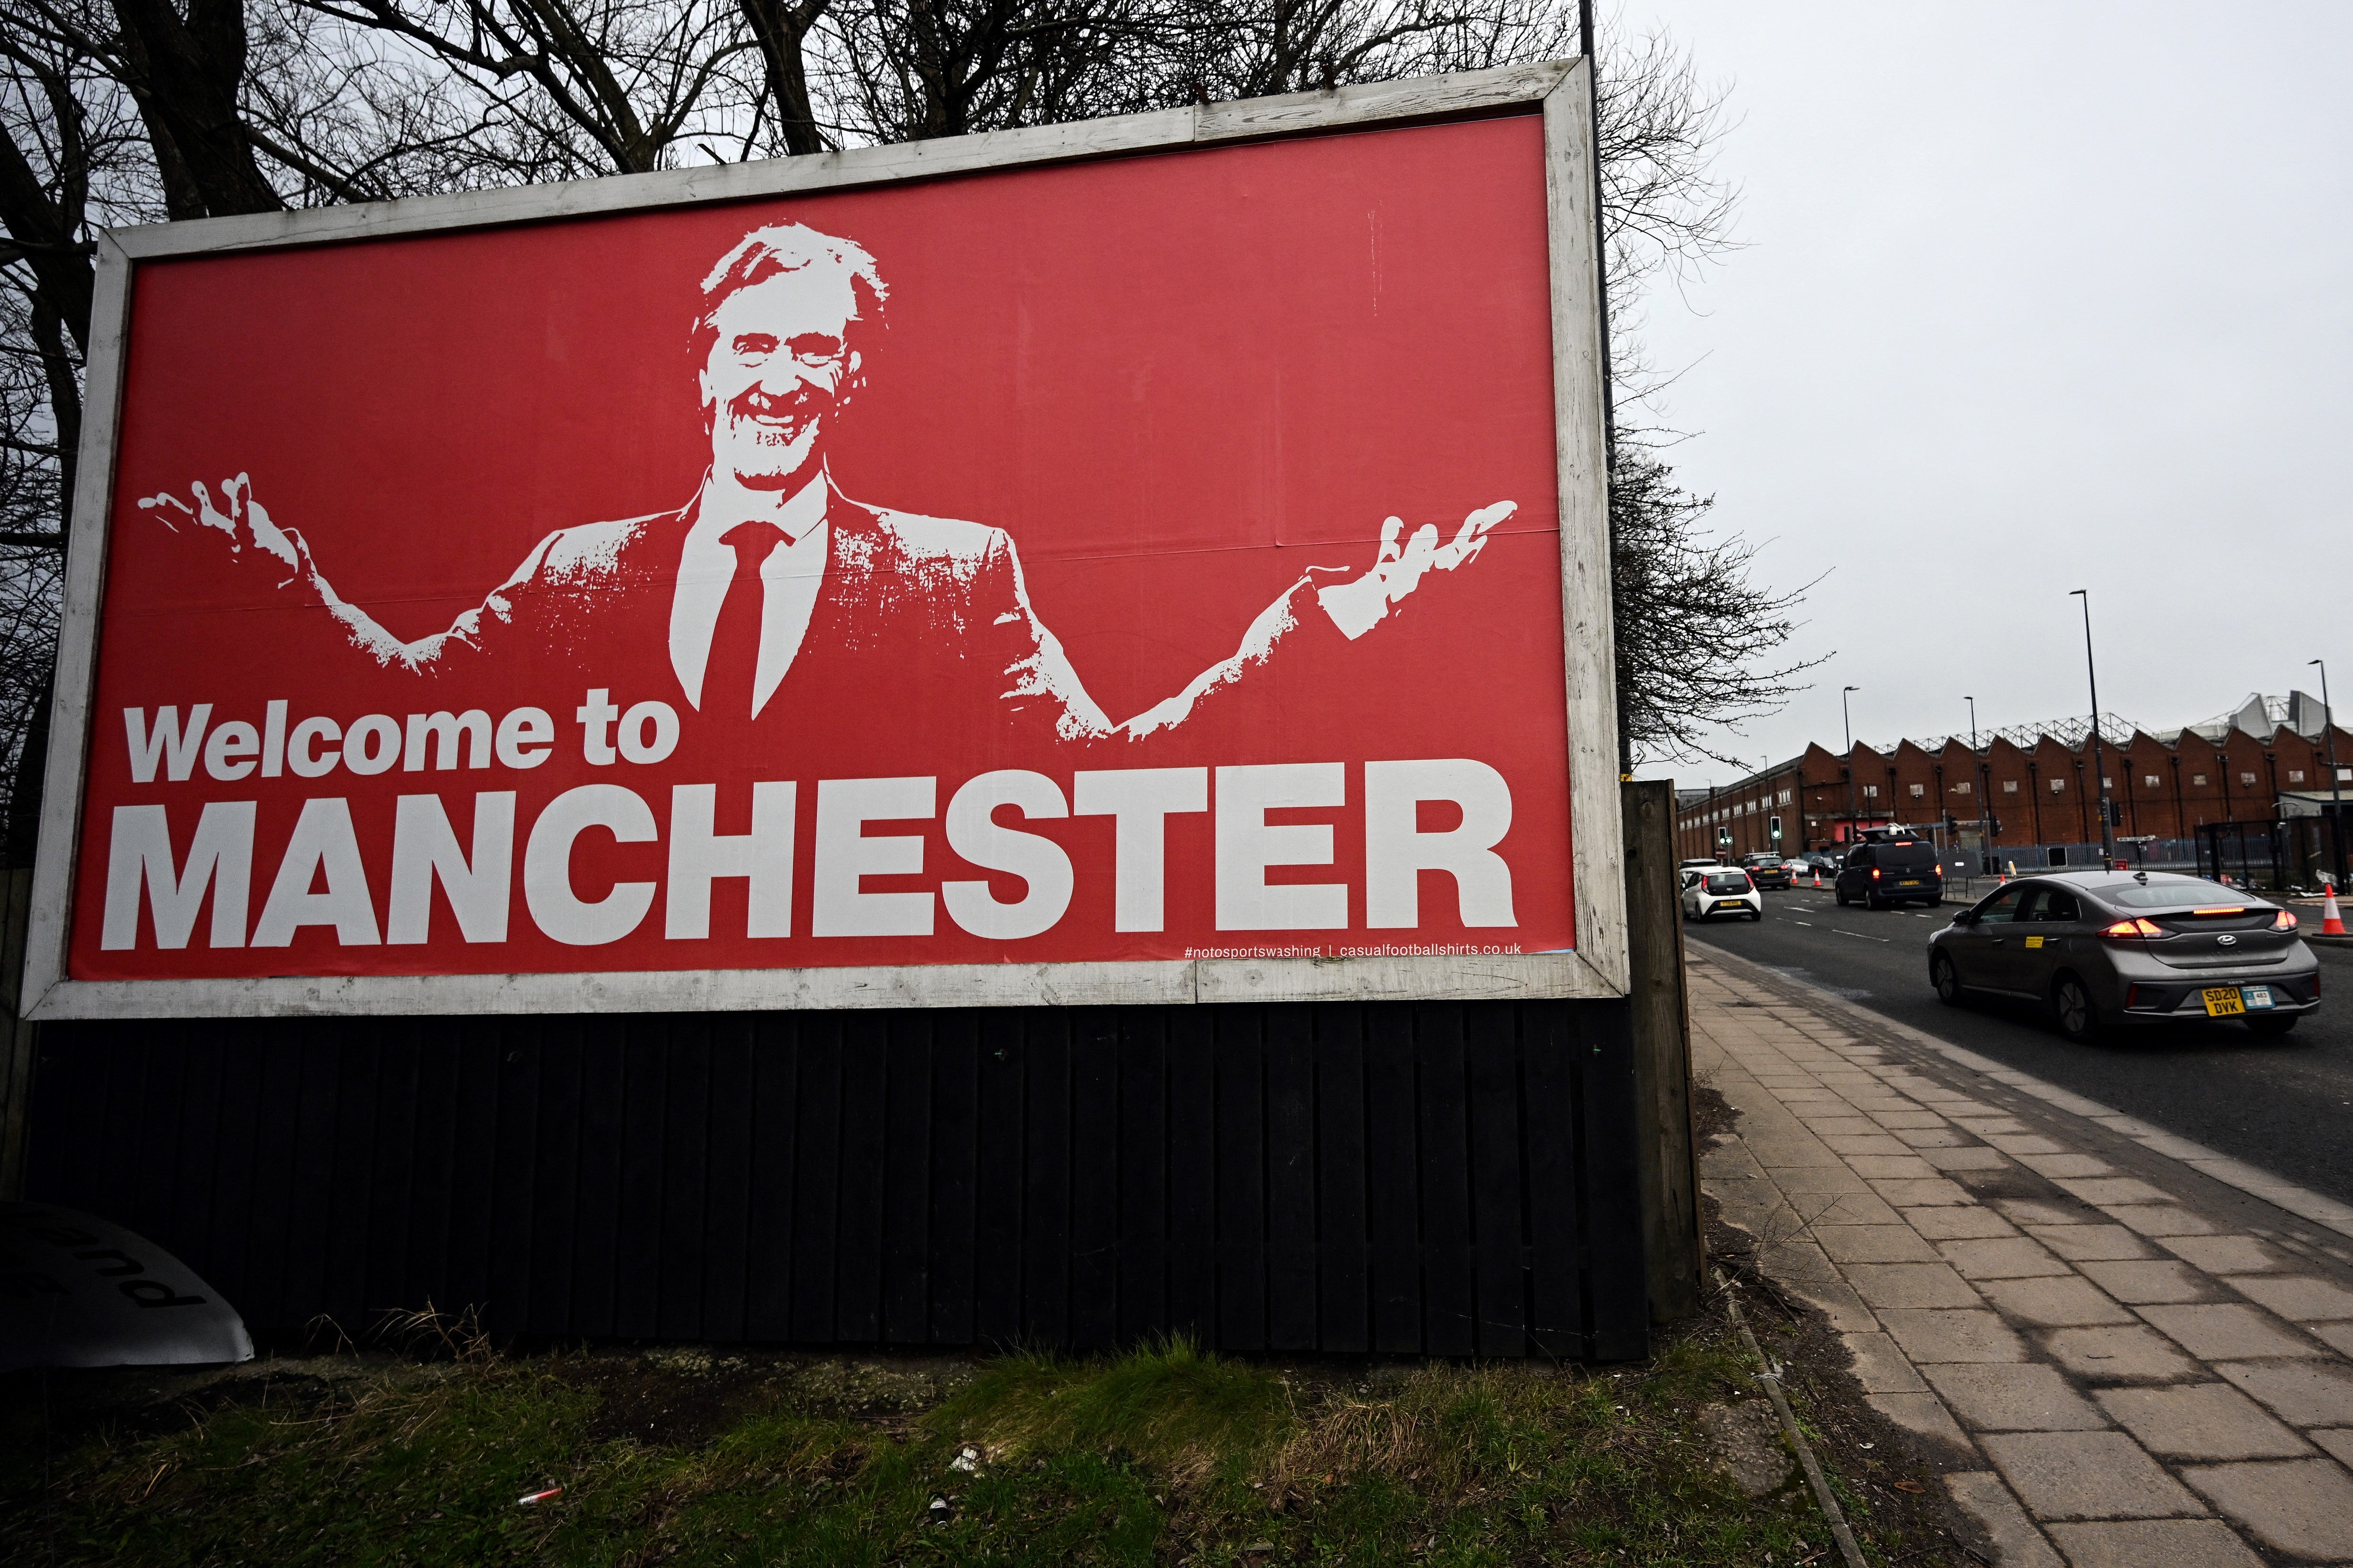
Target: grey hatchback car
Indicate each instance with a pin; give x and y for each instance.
(2108, 949)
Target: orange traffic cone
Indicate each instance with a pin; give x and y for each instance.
(2331, 922)
(1817, 879)
(2009, 873)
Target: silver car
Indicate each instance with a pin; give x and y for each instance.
(2108, 949)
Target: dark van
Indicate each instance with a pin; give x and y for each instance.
(1883, 874)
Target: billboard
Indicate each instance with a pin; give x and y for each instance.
(1152, 560)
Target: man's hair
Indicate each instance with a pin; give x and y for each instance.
(788, 247)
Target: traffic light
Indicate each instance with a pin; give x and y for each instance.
(1775, 824)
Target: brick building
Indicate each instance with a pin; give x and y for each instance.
(2029, 786)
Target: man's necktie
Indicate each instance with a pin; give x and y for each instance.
(734, 662)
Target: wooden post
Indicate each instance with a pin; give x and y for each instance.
(1673, 1244)
(18, 1037)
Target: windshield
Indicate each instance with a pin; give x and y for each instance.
(2188, 893)
(1904, 857)
(1731, 882)
(1766, 861)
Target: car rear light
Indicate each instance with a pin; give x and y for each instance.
(2285, 921)
(2241, 909)
(2135, 928)
(1874, 873)
(2132, 997)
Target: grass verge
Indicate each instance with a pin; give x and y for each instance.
(1165, 1455)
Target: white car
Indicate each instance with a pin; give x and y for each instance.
(1713, 890)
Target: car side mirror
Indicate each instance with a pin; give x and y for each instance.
(1965, 917)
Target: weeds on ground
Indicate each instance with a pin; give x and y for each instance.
(1165, 1455)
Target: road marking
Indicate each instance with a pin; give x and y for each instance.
(1807, 924)
(1837, 930)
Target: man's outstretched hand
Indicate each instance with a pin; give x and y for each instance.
(246, 525)
(1357, 607)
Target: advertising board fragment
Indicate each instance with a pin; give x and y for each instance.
(1159, 560)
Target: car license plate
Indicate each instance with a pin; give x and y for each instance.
(1909, 882)
(2223, 1001)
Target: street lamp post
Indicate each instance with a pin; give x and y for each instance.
(1985, 805)
(2335, 789)
(2181, 811)
(1847, 715)
(2099, 768)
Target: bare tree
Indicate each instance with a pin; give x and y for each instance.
(62, 133)
(1694, 633)
(620, 82)
(783, 28)
(909, 70)
(186, 69)
(183, 69)
(1251, 48)
(1664, 214)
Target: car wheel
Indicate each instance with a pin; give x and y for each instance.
(1839, 894)
(1946, 979)
(1874, 901)
(2271, 1025)
(2071, 1009)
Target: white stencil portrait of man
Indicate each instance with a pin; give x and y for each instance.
(770, 575)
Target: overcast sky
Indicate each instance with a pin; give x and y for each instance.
(2035, 298)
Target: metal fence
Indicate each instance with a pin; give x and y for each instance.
(2156, 855)
(2277, 855)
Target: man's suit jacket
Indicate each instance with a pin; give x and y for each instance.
(921, 625)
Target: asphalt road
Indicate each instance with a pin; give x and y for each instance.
(2284, 1104)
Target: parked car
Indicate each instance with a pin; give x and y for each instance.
(1713, 890)
(1890, 871)
(1769, 870)
(2110, 949)
(1815, 860)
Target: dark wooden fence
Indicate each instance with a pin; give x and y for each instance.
(1442, 1178)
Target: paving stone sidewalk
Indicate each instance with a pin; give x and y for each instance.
(2120, 1361)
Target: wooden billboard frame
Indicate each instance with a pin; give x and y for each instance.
(1596, 968)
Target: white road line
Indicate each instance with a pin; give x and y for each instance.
(1836, 931)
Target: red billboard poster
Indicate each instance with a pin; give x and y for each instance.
(1077, 569)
